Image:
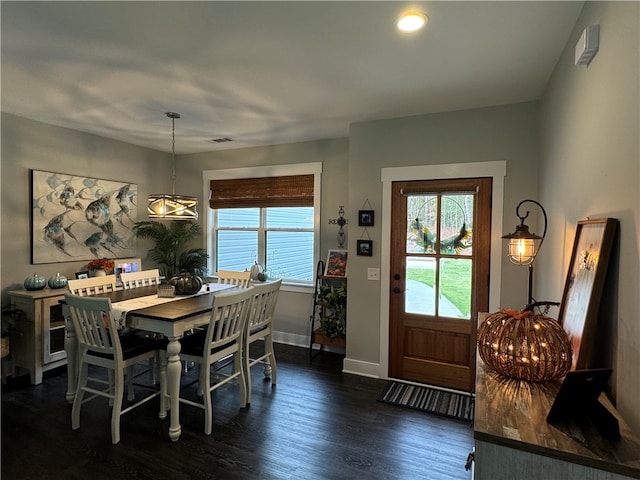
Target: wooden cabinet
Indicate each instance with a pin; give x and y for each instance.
(513, 439)
(323, 308)
(37, 342)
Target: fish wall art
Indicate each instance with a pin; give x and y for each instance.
(78, 218)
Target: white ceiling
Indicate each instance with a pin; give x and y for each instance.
(265, 73)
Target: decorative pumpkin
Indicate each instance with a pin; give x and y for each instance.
(186, 284)
(59, 281)
(525, 345)
(256, 270)
(35, 283)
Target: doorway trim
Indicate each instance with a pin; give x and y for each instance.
(497, 170)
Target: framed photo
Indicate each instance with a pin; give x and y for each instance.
(336, 265)
(83, 274)
(365, 218)
(365, 248)
(583, 287)
(76, 218)
(126, 265)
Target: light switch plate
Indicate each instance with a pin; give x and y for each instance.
(373, 274)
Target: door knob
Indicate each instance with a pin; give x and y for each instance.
(397, 290)
(396, 276)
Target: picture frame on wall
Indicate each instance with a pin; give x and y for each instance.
(365, 248)
(584, 284)
(75, 217)
(365, 218)
(336, 265)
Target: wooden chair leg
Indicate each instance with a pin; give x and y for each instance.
(117, 407)
(238, 367)
(273, 367)
(247, 374)
(205, 381)
(77, 402)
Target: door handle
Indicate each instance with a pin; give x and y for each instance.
(397, 290)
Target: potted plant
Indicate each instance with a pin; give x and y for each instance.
(101, 267)
(171, 252)
(333, 316)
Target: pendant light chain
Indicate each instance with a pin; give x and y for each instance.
(173, 116)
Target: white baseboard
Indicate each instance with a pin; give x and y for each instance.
(364, 369)
(301, 341)
(355, 367)
(291, 339)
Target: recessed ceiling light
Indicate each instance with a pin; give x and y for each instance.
(412, 21)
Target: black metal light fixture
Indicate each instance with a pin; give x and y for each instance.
(172, 206)
(524, 245)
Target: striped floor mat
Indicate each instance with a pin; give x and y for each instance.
(427, 399)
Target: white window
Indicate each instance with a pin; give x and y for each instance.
(271, 219)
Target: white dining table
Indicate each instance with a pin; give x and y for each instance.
(141, 308)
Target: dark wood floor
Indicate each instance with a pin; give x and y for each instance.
(316, 424)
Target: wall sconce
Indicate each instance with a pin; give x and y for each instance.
(524, 245)
(341, 222)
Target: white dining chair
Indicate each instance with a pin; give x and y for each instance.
(92, 286)
(222, 338)
(142, 278)
(231, 277)
(100, 345)
(139, 279)
(260, 327)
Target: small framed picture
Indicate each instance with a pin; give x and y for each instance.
(83, 274)
(336, 265)
(365, 218)
(365, 248)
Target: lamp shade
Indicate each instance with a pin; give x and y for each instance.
(523, 245)
(172, 207)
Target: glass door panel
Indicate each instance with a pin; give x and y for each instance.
(434, 269)
(455, 288)
(420, 292)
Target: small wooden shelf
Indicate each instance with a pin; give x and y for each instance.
(318, 335)
(323, 339)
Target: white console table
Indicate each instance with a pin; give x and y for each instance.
(37, 342)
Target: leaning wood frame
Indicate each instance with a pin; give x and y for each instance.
(584, 285)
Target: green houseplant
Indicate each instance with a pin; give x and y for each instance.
(171, 252)
(333, 315)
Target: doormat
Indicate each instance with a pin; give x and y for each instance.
(429, 399)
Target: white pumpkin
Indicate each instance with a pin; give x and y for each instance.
(256, 270)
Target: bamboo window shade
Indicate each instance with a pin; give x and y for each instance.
(284, 191)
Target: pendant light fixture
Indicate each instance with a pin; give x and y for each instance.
(172, 207)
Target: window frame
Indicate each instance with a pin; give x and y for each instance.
(208, 217)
